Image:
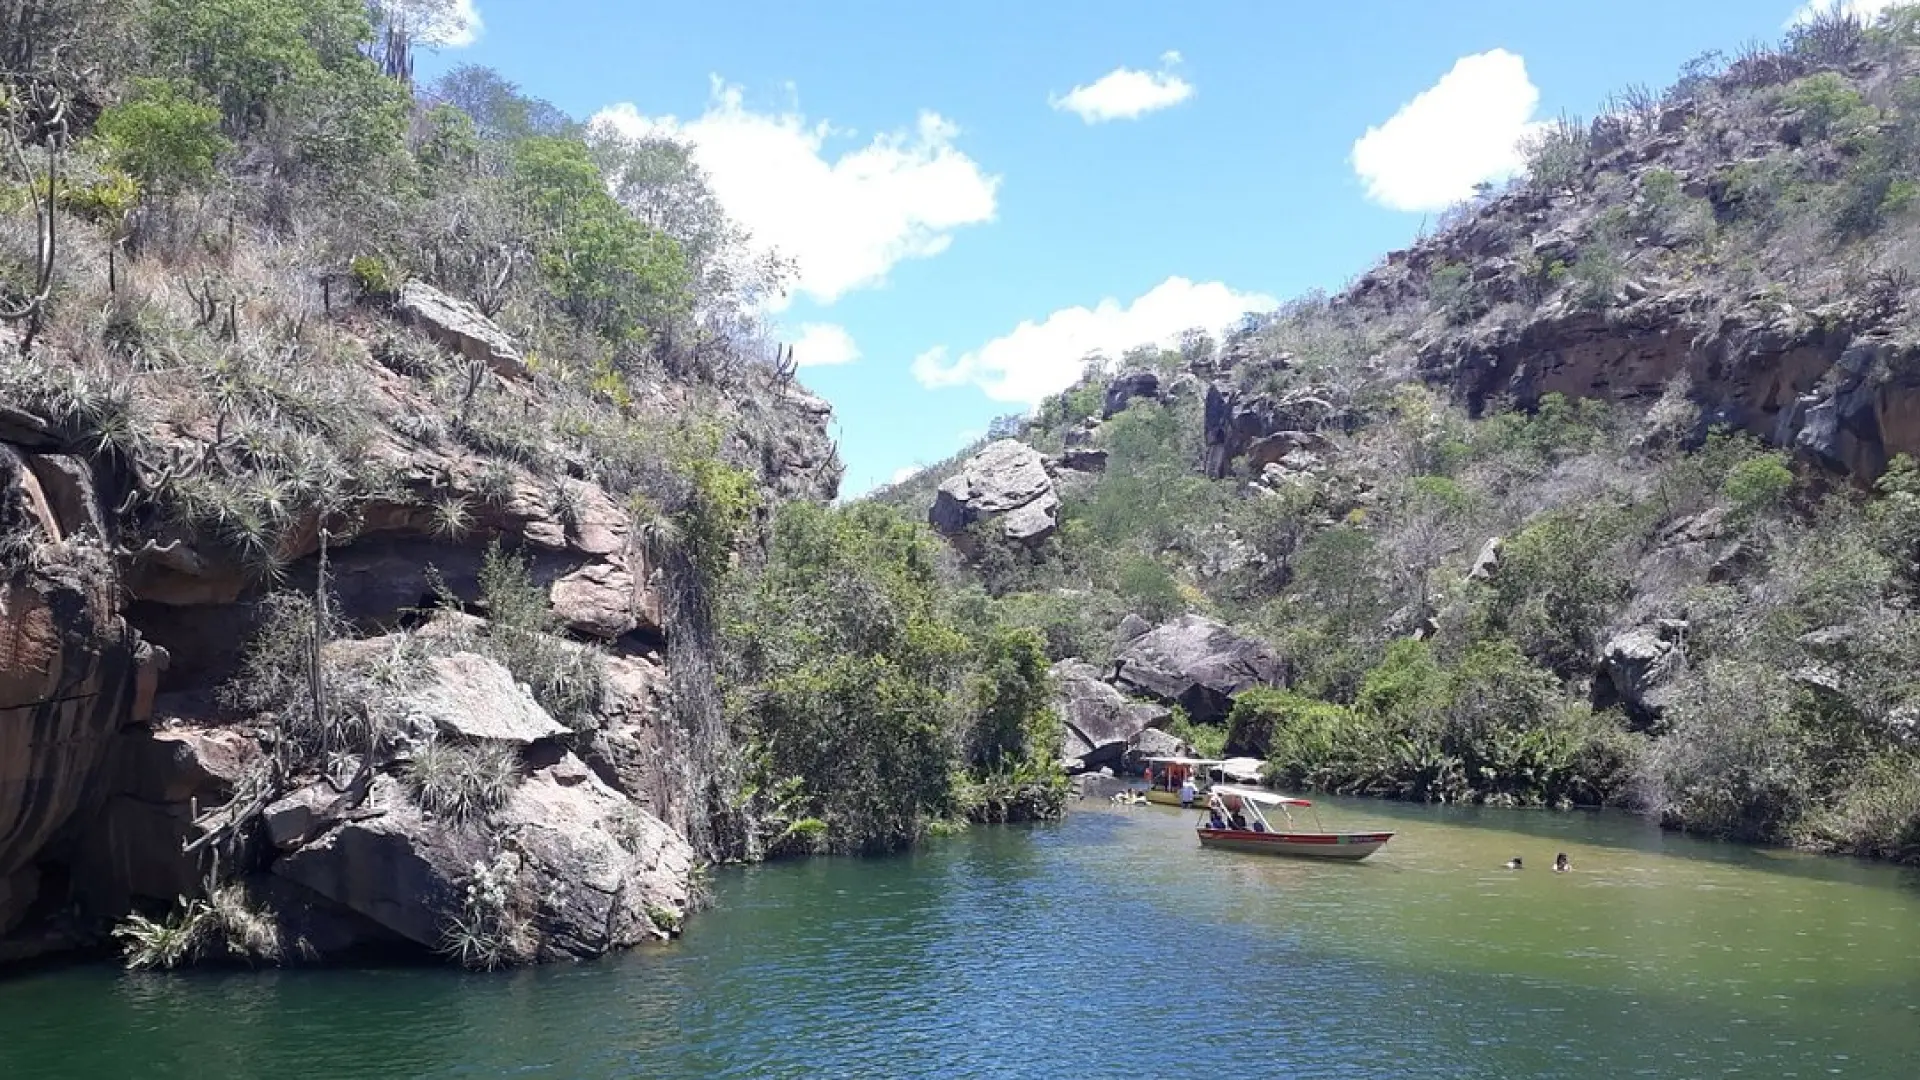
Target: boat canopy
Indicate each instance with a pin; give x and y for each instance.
(1258, 797)
(1242, 769)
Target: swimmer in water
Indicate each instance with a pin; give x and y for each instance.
(1560, 863)
(1513, 863)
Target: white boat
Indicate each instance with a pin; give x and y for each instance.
(1236, 821)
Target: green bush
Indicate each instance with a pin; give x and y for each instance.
(165, 134)
(1758, 484)
(1828, 105)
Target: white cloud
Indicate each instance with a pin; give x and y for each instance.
(1865, 10)
(901, 476)
(1038, 359)
(467, 26)
(845, 219)
(1126, 94)
(824, 345)
(1466, 128)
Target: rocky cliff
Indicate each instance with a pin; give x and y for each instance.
(124, 777)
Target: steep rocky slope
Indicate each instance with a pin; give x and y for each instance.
(1601, 492)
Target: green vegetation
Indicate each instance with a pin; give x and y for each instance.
(870, 711)
(225, 927)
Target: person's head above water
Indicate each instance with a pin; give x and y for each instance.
(1560, 862)
(1513, 863)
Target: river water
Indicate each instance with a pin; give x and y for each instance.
(1111, 945)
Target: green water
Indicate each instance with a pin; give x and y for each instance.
(1110, 945)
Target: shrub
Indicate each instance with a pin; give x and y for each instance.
(460, 782)
(522, 634)
(1450, 287)
(1828, 105)
(1758, 484)
(1557, 155)
(1877, 816)
(225, 927)
(1734, 764)
(165, 134)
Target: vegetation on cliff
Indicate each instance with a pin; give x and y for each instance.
(1600, 494)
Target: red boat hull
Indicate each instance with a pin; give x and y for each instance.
(1350, 847)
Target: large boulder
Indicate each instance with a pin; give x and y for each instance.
(1122, 391)
(473, 697)
(1007, 480)
(583, 869)
(1641, 665)
(1097, 720)
(1198, 664)
(457, 325)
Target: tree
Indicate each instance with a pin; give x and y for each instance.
(604, 267)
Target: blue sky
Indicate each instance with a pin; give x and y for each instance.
(955, 180)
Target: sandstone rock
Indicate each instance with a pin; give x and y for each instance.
(459, 326)
(604, 600)
(1197, 663)
(69, 672)
(1234, 421)
(1131, 627)
(473, 697)
(585, 869)
(174, 765)
(1123, 390)
(1098, 720)
(1081, 435)
(1006, 480)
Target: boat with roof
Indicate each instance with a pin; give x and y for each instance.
(1237, 821)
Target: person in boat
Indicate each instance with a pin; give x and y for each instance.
(1216, 813)
(1560, 863)
(1237, 821)
(1188, 793)
(1514, 863)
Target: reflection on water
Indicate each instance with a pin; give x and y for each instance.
(1112, 945)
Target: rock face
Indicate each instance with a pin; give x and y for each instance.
(1237, 422)
(459, 326)
(1198, 664)
(1098, 720)
(1123, 391)
(1007, 480)
(1798, 379)
(72, 671)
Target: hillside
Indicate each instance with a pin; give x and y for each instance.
(1603, 492)
(410, 537)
